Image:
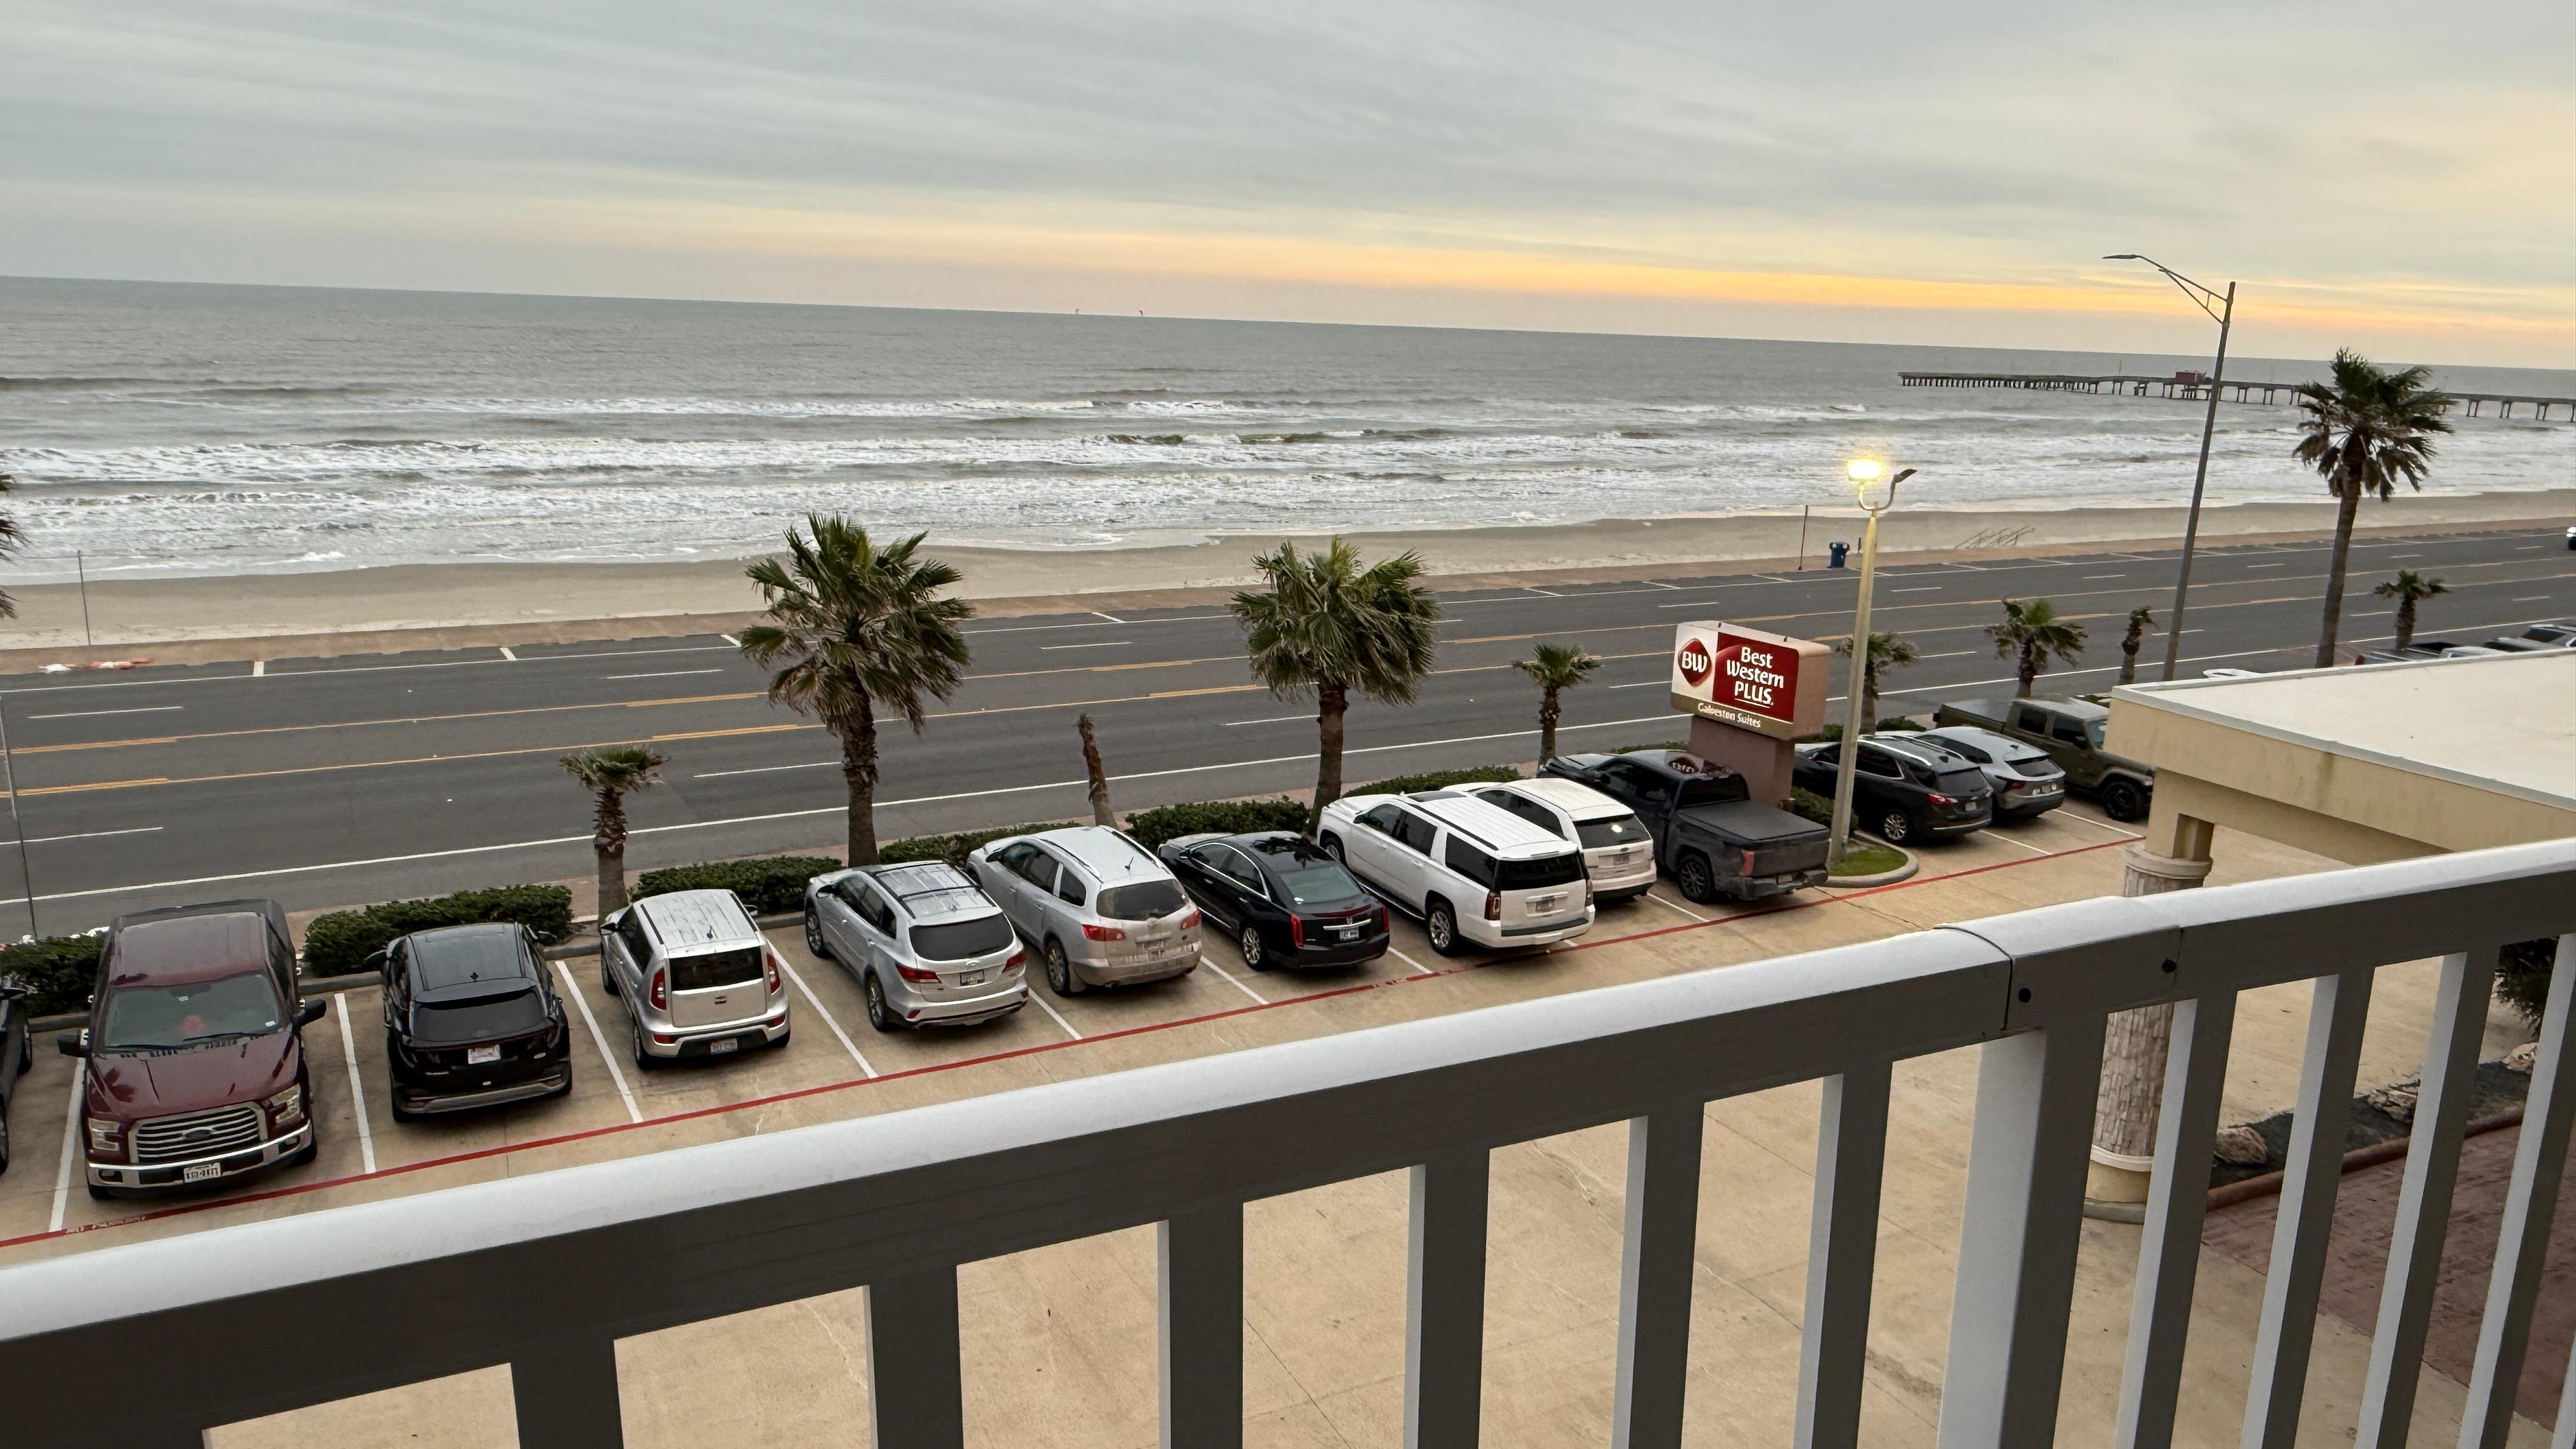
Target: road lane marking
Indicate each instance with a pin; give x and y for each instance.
(581, 1003)
(1057, 1016)
(662, 674)
(1924, 589)
(2091, 578)
(1274, 719)
(2267, 566)
(92, 834)
(2531, 599)
(399, 720)
(729, 639)
(2405, 555)
(1640, 684)
(816, 1002)
(1230, 981)
(357, 1088)
(1088, 644)
(1124, 623)
(764, 769)
(409, 760)
(258, 668)
(71, 1146)
(95, 713)
(1542, 593)
(1112, 618)
(506, 654)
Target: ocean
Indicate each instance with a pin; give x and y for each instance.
(167, 429)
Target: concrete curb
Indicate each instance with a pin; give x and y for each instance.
(1906, 871)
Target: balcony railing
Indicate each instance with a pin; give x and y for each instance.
(149, 1344)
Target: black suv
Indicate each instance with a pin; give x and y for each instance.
(471, 1020)
(1903, 789)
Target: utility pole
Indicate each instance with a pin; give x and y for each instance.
(2223, 312)
(17, 826)
(1863, 472)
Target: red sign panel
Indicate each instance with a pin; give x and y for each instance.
(1762, 682)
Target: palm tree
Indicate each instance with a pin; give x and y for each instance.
(2030, 633)
(2364, 431)
(610, 775)
(855, 628)
(10, 539)
(2141, 619)
(1886, 651)
(1554, 668)
(1330, 626)
(2409, 588)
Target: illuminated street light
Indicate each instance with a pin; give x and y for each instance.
(1864, 474)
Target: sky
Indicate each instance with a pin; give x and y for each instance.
(2372, 175)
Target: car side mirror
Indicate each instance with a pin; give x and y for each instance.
(378, 962)
(73, 1043)
(311, 1011)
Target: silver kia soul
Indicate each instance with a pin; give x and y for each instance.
(697, 977)
(1099, 908)
(925, 946)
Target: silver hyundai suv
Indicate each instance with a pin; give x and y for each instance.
(1101, 910)
(924, 944)
(697, 977)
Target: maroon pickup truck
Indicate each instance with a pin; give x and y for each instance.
(195, 1050)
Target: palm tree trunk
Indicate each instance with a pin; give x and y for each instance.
(608, 842)
(2129, 654)
(859, 769)
(1548, 715)
(2346, 507)
(1098, 774)
(1332, 701)
(2405, 622)
(2029, 669)
(1869, 698)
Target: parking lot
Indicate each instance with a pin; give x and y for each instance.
(835, 1066)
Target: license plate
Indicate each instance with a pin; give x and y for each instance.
(970, 978)
(723, 1044)
(1348, 933)
(479, 1056)
(2047, 789)
(1541, 905)
(201, 1172)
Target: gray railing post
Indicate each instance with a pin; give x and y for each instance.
(566, 1395)
(2424, 1199)
(1201, 1327)
(2522, 1241)
(1842, 1256)
(1655, 1269)
(1444, 1302)
(916, 1385)
(2177, 1201)
(2027, 1156)
(2289, 1324)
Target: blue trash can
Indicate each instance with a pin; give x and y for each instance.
(1839, 551)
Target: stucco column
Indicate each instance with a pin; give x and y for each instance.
(2174, 856)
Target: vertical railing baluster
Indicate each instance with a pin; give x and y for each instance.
(2023, 1221)
(1842, 1256)
(566, 1394)
(1444, 1305)
(1201, 1317)
(2424, 1198)
(2177, 1201)
(2522, 1242)
(2289, 1323)
(915, 1381)
(1655, 1270)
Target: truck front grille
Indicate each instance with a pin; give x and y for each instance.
(191, 1135)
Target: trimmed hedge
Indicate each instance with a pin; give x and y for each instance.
(58, 972)
(1436, 780)
(771, 885)
(1220, 817)
(1656, 745)
(953, 848)
(341, 942)
(1810, 806)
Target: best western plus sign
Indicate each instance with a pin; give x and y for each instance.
(1749, 695)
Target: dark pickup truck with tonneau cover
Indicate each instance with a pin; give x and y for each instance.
(2071, 730)
(1709, 834)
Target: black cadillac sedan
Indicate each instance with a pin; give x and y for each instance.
(1280, 898)
(471, 1020)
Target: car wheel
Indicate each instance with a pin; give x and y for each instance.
(1440, 923)
(1250, 944)
(1896, 826)
(566, 1089)
(2122, 800)
(644, 1061)
(100, 1194)
(4, 1144)
(26, 1056)
(304, 1156)
(814, 941)
(607, 978)
(401, 1112)
(1059, 970)
(1697, 882)
(880, 1012)
(1333, 848)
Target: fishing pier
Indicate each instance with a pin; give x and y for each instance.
(2195, 387)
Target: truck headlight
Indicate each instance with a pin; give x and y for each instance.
(287, 1106)
(106, 1137)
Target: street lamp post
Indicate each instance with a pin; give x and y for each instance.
(2223, 313)
(1862, 472)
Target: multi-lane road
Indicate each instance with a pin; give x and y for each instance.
(351, 779)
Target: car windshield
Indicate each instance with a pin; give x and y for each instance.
(960, 940)
(144, 1017)
(481, 1018)
(1142, 901)
(707, 970)
(1316, 881)
(1618, 830)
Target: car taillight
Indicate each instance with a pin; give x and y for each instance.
(915, 973)
(659, 992)
(1748, 863)
(1296, 930)
(769, 958)
(1385, 919)
(1493, 905)
(1190, 922)
(1937, 798)
(1103, 933)
(1019, 958)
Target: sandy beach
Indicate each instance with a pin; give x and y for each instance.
(441, 605)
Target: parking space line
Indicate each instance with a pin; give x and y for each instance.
(1237, 985)
(572, 988)
(1670, 906)
(71, 1148)
(2008, 840)
(816, 1002)
(1409, 961)
(2097, 825)
(1055, 1015)
(357, 1089)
